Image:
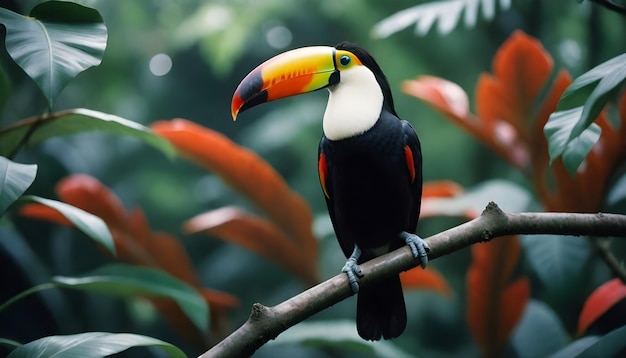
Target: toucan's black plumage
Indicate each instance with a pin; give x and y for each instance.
(373, 186)
(370, 165)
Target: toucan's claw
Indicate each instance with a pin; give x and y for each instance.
(352, 269)
(418, 246)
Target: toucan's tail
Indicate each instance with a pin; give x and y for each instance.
(380, 310)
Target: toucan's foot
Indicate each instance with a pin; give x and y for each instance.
(352, 269)
(418, 246)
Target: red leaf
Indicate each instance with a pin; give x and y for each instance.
(599, 302)
(496, 301)
(441, 189)
(428, 279)
(45, 213)
(444, 95)
(250, 175)
(255, 234)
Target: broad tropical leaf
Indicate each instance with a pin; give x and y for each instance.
(599, 302)
(496, 299)
(611, 344)
(74, 121)
(125, 280)
(429, 279)
(91, 345)
(15, 178)
(250, 175)
(539, 321)
(86, 222)
(255, 234)
(55, 43)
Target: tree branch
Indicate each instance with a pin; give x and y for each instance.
(267, 323)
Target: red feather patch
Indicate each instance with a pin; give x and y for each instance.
(410, 164)
(323, 170)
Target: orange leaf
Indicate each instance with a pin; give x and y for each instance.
(428, 279)
(521, 69)
(599, 302)
(444, 95)
(255, 234)
(495, 301)
(250, 175)
(441, 189)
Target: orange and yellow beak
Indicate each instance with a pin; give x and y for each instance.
(291, 73)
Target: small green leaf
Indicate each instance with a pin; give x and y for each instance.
(9, 343)
(86, 222)
(15, 178)
(55, 43)
(125, 280)
(338, 334)
(558, 132)
(76, 121)
(599, 97)
(538, 321)
(91, 345)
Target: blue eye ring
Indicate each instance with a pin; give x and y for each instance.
(345, 60)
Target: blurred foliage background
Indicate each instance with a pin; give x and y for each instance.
(184, 58)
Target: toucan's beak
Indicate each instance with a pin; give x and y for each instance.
(288, 74)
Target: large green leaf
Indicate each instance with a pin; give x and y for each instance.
(15, 178)
(336, 334)
(611, 344)
(90, 345)
(573, 149)
(55, 43)
(125, 280)
(86, 222)
(557, 260)
(75, 121)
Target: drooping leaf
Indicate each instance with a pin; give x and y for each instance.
(15, 178)
(86, 222)
(539, 321)
(255, 234)
(336, 334)
(55, 43)
(125, 280)
(599, 302)
(250, 175)
(91, 345)
(574, 150)
(496, 300)
(74, 121)
(429, 279)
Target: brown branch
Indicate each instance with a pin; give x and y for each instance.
(267, 323)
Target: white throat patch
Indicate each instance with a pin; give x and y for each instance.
(354, 104)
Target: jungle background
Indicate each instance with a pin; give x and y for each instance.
(212, 45)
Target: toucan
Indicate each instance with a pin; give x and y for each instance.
(369, 163)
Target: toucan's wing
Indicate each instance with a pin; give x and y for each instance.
(413, 156)
(325, 171)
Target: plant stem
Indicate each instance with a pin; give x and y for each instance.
(19, 296)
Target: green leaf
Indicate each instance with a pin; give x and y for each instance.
(575, 348)
(9, 343)
(539, 321)
(577, 93)
(55, 43)
(15, 178)
(610, 345)
(339, 334)
(125, 280)
(76, 121)
(91, 345)
(558, 132)
(86, 222)
(557, 260)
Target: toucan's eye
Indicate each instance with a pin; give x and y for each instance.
(344, 60)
